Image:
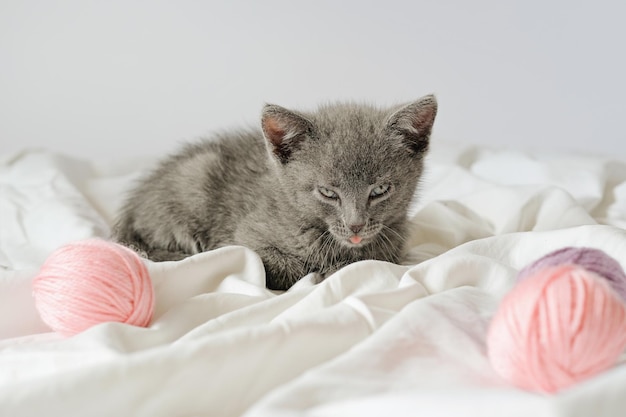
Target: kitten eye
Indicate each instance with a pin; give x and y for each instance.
(380, 190)
(328, 193)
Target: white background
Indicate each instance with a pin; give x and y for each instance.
(112, 78)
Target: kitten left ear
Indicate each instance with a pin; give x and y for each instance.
(415, 123)
(284, 130)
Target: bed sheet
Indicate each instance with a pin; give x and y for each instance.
(372, 339)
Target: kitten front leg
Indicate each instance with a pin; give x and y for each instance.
(162, 255)
(282, 270)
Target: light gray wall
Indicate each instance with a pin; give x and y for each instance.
(104, 78)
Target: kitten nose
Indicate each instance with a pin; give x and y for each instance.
(356, 228)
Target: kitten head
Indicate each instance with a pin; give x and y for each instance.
(350, 169)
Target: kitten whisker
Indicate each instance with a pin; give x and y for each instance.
(328, 250)
(313, 249)
(391, 249)
(401, 237)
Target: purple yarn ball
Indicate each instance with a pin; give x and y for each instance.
(593, 260)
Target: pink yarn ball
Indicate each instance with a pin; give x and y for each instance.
(558, 326)
(91, 282)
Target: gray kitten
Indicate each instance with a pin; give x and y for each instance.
(309, 192)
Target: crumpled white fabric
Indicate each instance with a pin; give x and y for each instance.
(372, 339)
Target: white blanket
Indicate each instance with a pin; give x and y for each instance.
(373, 339)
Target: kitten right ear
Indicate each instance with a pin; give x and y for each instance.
(415, 123)
(283, 130)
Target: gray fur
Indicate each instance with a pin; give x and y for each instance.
(261, 189)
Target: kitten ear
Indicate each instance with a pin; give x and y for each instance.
(415, 123)
(284, 130)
